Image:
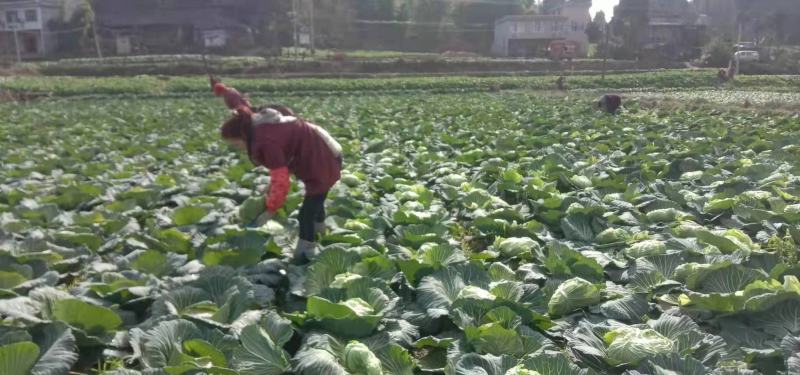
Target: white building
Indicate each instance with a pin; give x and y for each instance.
(530, 35)
(28, 19)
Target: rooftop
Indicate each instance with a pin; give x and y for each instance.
(8, 4)
(199, 18)
(531, 17)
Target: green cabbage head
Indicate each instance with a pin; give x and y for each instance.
(359, 360)
(631, 345)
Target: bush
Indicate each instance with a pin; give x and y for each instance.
(718, 53)
(788, 62)
(622, 53)
(782, 62)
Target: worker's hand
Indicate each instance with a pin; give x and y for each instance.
(262, 219)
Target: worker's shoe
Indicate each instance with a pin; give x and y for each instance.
(304, 252)
(320, 229)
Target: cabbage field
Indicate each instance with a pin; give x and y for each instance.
(475, 233)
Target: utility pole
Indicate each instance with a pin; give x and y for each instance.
(739, 37)
(294, 26)
(605, 52)
(16, 42)
(312, 36)
(96, 40)
(41, 32)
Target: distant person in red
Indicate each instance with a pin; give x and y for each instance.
(285, 144)
(725, 75)
(560, 83)
(722, 76)
(609, 103)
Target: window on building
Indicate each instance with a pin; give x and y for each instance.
(31, 15)
(12, 16)
(538, 26)
(574, 26)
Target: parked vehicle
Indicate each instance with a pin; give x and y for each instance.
(747, 56)
(745, 46)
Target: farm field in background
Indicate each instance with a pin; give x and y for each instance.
(324, 63)
(474, 231)
(184, 86)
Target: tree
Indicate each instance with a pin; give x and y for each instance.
(596, 28)
(526, 4)
(718, 53)
(630, 25)
(272, 28)
(334, 20)
(484, 12)
(88, 19)
(403, 12)
(72, 43)
(475, 22)
(375, 9)
(429, 11)
(551, 6)
(600, 19)
(594, 32)
(776, 20)
(426, 17)
(627, 47)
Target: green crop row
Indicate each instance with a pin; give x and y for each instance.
(158, 85)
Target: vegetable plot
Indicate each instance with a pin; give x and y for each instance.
(677, 82)
(471, 234)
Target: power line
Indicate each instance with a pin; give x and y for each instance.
(67, 31)
(444, 29)
(446, 24)
(488, 2)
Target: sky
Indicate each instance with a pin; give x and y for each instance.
(606, 6)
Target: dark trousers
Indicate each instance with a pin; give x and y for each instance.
(312, 211)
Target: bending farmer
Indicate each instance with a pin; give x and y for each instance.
(287, 145)
(609, 103)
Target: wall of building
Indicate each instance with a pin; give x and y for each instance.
(543, 29)
(578, 12)
(668, 8)
(20, 13)
(578, 16)
(33, 34)
(502, 33)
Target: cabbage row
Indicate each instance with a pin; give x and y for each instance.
(470, 234)
(183, 86)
